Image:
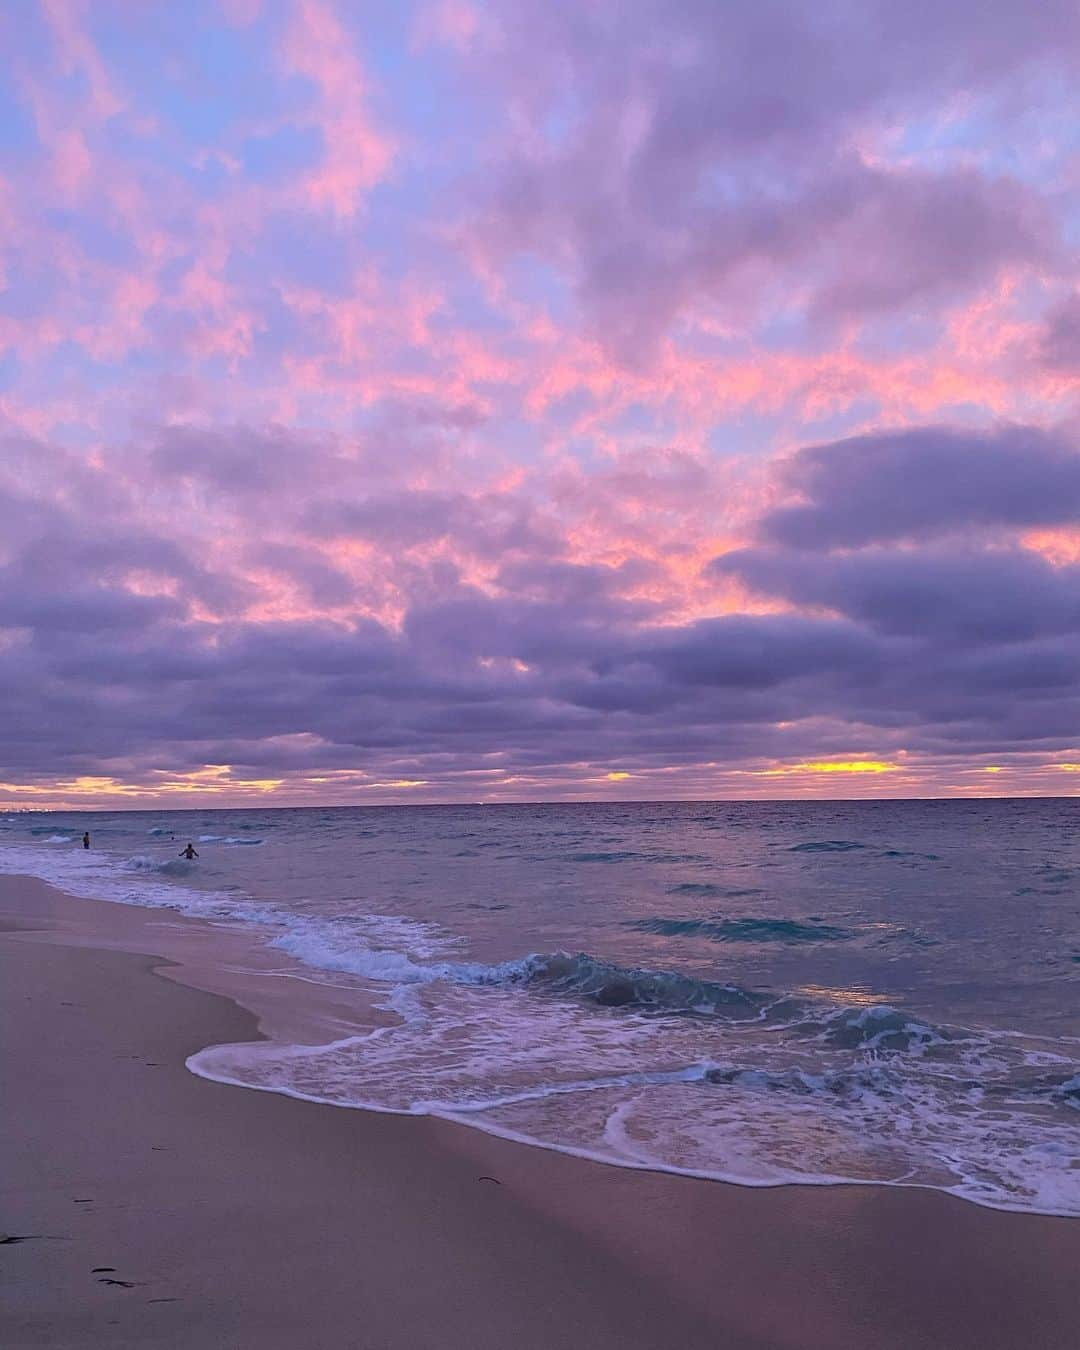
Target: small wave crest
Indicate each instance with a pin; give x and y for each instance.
(743, 930)
(165, 867)
(826, 846)
(613, 986)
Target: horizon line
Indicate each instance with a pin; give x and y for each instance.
(601, 801)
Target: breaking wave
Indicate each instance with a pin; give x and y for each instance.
(165, 867)
(660, 1069)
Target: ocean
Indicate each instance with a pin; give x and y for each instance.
(765, 993)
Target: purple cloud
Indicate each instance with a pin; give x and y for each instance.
(1060, 346)
(923, 482)
(707, 155)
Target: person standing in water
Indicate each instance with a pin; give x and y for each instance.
(189, 852)
(86, 839)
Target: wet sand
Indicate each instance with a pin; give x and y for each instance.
(157, 1209)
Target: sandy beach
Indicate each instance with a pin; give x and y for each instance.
(143, 1206)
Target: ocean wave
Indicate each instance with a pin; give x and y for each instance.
(613, 986)
(616, 857)
(844, 1083)
(879, 1028)
(227, 839)
(742, 930)
(826, 846)
(1061, 1089)
(166, 867)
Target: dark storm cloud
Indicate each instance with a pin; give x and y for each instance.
(994, 595)
(921, 482)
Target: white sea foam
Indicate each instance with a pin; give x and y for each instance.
(553, 1073)
(131, 881)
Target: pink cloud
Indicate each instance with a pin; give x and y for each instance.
(357, 154)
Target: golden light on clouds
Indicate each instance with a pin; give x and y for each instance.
(213, 778)
(833, 766)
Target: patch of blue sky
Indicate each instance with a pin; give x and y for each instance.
(567, 408)
(465, 306)
(172, 270)
(746, 434)
(313, 252)
(31, 287)
(273, 155)
(281, 333)
(520, 442)
(782, 324)
(639, 425)
(720, 186)
(18, 130)
(98, 240)
(417, 87)
(1043, 135)
(543, 287)
(391, 231)
(900, 334)
(200, 77)
(71, 360)
(9, 370)
(830, 424)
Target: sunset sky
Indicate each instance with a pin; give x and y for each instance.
(544, 400)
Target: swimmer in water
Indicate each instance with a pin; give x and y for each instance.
(189, 852)
(86, 839)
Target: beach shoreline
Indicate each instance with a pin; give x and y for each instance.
(242, 1218)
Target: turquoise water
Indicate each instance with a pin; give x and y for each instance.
(760, 992)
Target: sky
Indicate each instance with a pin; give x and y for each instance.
(516, 401)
